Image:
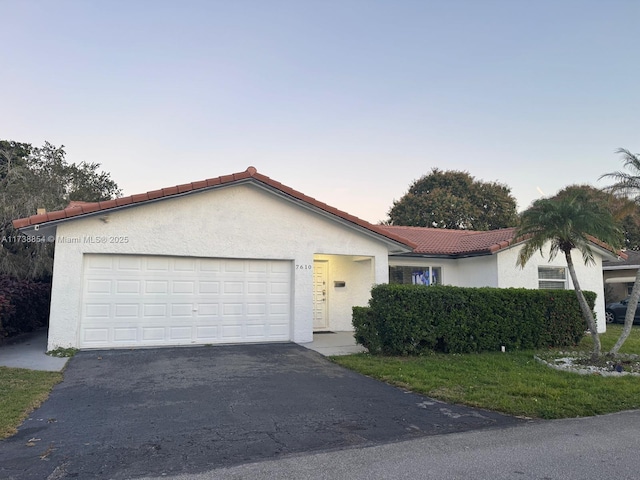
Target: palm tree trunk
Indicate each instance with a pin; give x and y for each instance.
(584, 306)
(628, 318)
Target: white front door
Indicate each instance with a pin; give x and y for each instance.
(320, 317)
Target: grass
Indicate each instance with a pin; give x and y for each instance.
(22, 391)
(512, 382)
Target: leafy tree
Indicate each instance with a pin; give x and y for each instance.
(627, 184)
(566, 224)
(624, 210)
(32, 178)
(455, 200)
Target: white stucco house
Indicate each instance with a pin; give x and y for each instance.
(242, 258)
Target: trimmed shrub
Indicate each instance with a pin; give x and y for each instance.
(414, 320)
(24, 305)
(365, 332)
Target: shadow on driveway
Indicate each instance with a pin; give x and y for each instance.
(123, 414)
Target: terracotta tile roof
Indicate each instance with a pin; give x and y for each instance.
(456, 243)
(78, 209)
(438, 241)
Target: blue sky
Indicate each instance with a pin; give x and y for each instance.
(348, 101)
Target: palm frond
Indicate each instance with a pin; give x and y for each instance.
(565, 224)
(625, 182)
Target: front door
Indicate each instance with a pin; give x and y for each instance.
(320, 317)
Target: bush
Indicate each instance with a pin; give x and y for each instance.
(413, 320)
(24, 305)
(365, 332)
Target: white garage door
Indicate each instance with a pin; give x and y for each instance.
(134, 300)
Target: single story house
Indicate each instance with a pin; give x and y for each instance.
(244, 258)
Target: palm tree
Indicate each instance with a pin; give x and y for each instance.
(567, 224)
(627, 184)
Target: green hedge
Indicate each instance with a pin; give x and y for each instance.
(413, 319)
(24, 305)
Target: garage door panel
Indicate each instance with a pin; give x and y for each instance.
(98, 263)
(184, 310)
(96, 335)
(125, 310)
(280, 288)
(256, 331)
(233, 266)
(97, 310)
(207, 332)
(184, 265)
(180, 333)
(157, 264)
(210, 265)
(183, 286)
(128, 287)
(156, 286)
(232, 309)
(207, 287)
(154, 310)
(230, 288)
(153, 334)
(127, 334)
(99, 286)
(257, 267)
(155, 301)
(208, 310)
(256, 309)
(128, 263)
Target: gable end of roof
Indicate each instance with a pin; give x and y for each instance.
(80, 209)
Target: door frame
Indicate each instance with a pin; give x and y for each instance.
(325, 300)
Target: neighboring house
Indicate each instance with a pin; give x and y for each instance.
(243, 258)
(488, 259)
(619, 276)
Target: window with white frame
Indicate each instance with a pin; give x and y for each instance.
(415, 275)
(552, 278)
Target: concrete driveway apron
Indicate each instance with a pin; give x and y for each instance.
(129, 413)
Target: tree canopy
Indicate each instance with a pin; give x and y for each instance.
(40, 177)
(624, 210)
(565, 224)
(455, 200)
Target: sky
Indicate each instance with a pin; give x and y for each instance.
(347, 101)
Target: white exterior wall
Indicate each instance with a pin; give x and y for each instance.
(590, 277)
(462, 272)
(239, 221)
(500, 270)
(478, 271)
(358, 275)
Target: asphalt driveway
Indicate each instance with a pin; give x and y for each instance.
(130, 413)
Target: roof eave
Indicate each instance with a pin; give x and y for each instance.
(395, 243)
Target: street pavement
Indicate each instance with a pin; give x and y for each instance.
(594, 448)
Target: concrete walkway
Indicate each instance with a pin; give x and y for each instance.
(29, 351)
(334, 343)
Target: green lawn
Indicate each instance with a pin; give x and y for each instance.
(509, 382)
(22, 391)
(512, 382)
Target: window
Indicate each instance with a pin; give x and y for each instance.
(552, 278)
(416, 275)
